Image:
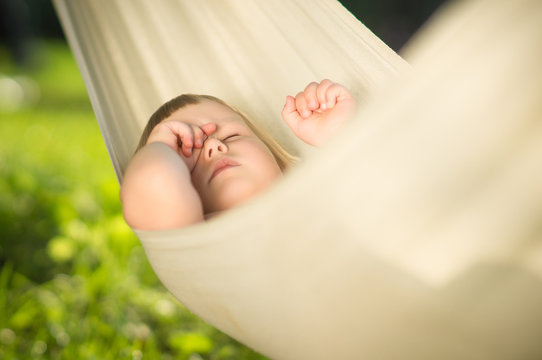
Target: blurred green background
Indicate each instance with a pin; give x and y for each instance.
(74, 280)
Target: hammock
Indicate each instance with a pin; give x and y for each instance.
(416, 233)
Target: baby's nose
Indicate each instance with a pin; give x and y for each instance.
(213, 147)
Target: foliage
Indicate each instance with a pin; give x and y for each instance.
(74, 280)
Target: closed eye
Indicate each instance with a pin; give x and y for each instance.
(229, 137)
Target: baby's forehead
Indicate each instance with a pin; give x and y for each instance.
(206, 112)
(226, 123)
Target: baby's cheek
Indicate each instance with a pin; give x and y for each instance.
(196, 153)
(196, 175)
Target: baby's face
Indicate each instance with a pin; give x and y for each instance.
(234, 164)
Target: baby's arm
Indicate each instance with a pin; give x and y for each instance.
(316, 113)
(157, 192)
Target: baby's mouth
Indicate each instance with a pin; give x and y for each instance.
(222, 165)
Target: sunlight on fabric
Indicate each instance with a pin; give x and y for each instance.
(246, 53)
(414, 234)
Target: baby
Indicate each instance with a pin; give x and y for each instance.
(198, 156)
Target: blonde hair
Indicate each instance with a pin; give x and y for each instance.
(284, 158)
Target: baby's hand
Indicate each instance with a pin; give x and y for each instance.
(316, 113)
(185, 139)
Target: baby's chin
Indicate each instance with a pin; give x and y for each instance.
(233, 194)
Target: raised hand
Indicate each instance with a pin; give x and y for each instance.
(317, 112)
(185, 139)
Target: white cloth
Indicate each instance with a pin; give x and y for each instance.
(414, 234)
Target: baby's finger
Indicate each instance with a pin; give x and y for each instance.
(184, 134)
(301, 105)
(208, 129)
(310, 96)
(187, 141)
(290, 114)
(178, 128)
(199, 136)
(332, 93)
(336, 93)
(321, 93)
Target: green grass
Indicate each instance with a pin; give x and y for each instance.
(74, 280)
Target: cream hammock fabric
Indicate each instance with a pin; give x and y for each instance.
(416, 234)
